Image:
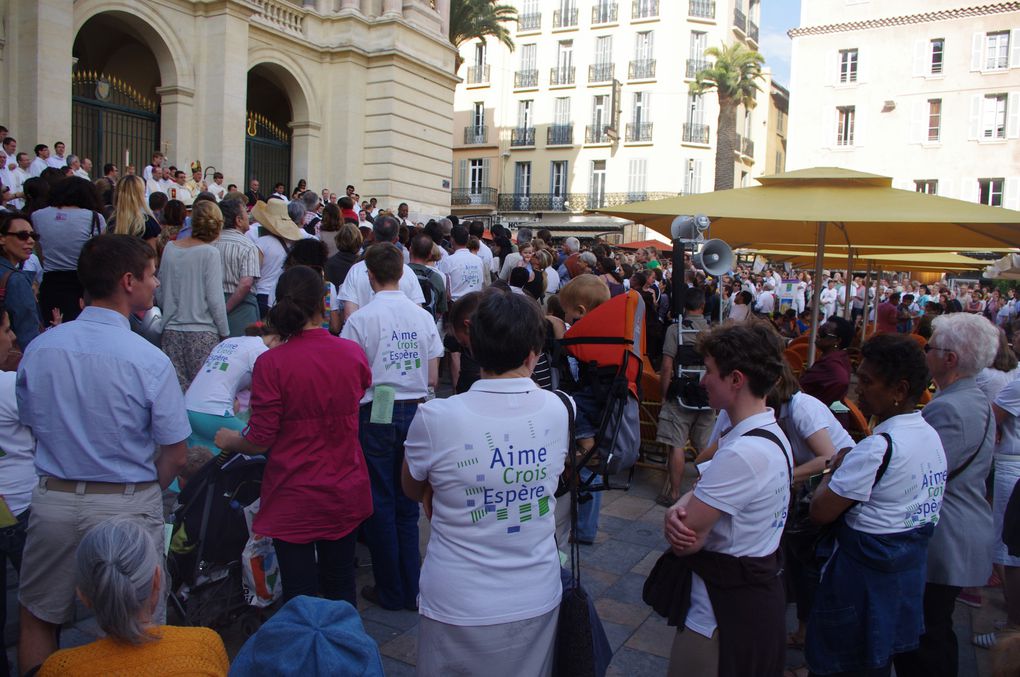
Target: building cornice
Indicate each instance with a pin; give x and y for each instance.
(907, 19)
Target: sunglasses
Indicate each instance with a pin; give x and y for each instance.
(23, 235)
(929, 347)
(824, 334)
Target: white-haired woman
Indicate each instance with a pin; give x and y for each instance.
(959, 552)
(120, 577)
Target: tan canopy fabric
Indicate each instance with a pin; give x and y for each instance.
(905, 261)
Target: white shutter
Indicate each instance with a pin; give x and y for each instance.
(977, 49)
(1014, 48)
(918, 132)
(858, 127)
(1013, 115)
(485, 173)
(922, 66)
(697, 177)
(861, 66)
(830, 121)
(946, 188)
(831, 76)
(974, 121)
(969, 189)
(636, 179)
(1011, 193)
(463, 184)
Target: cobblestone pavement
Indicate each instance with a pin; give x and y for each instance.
(613, 571)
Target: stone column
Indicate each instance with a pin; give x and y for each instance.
(393, 8)
(177, 132)
(305, 152)
(350, 4)
(39, 39)
(443, 7)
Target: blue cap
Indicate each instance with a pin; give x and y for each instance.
(310, 636)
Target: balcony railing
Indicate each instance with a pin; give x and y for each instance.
(526, 79)
(522, 136)
(641, 131)
(752, 30)
(695, 66)
(602, 200)
(572, 202)
(476, 134)
(560, 135)
(561, 76)
(695, 133)
(478, 75)
(644, 9)
(604, 13)
(462, 197)
(600, 72)
(702, 9)
(596, 134)
(745, 146)
(567, 19)
(641, 69)
(529, 22)
(739, 20)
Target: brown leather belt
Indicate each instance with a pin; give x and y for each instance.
(417, 400)
(72, 487)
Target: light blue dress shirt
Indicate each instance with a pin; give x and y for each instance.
(99, 399)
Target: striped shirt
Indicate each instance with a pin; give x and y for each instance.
(240, 258)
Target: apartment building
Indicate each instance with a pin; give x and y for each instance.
(925, 91)
(592, 109)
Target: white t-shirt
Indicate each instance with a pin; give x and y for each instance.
(399, 338)
(766, 302)
(827, 297)
(1008, 400)
(910, 492)
(802, 417)
(992, 381)
(56, 161)
(178, 192)
(226, 372)
(357, 289)
(33, 268)
(749, 481)
(273, 256)
(37, 167)
(485, 254)
(464, 271)
(217, 190)
(552, 280)
(17, 466)
(493, 456)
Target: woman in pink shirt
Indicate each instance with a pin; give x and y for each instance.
(305, 395)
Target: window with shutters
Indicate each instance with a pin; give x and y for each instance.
(558, 178)
(597, 188)
(934, 119)
(929, 186)
(522, 179)
(692, 177)
(937, 51)
(847, 65)
(637, 179)
(997, 51)
(993, 117)
(990, 191)
(845, 125)
(476, 176)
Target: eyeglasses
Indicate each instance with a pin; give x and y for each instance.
(825, 334)
(929, 347)
(23, 235)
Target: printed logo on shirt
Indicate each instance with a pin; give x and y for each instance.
(929, 499)
(219, 358)
(512, 488)
(403, 352)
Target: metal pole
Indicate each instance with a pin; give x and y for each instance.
(847, 301)
(819, 261)
(878, 280)
(867, 288)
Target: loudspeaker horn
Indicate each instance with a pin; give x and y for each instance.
(685, 228)
(715, 258)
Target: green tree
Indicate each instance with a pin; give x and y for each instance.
(733, 75)
(470, 19)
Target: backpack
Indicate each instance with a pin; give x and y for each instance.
(428, 290)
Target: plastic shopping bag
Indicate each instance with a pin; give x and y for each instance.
(260, 571)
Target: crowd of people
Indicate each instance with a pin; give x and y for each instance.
(149, 323)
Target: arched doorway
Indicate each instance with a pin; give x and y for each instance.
(267, 147)
(115, 115)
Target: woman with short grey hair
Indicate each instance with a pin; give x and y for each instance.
(120, 577)
(960, 550)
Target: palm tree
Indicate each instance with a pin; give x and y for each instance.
(470, 19)
(733, 76)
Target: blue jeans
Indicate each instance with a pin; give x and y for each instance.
(588, 511)
(392, 530)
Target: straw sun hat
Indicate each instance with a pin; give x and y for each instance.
(273, 217)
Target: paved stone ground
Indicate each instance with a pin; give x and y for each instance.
(613, 571)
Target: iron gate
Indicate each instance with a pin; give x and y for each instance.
(266, 153)
(111, 122)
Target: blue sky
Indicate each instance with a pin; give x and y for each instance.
(777, 17)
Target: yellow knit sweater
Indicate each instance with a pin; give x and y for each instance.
(179, 651)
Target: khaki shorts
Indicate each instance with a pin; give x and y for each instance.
(57, 523)
(677, 425)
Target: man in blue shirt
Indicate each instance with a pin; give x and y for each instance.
(109, 419)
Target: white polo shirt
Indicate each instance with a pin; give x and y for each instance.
(464, 270)
(805, 415)
(17, 465)
(493, 456)
(357, 289)
(399, 338)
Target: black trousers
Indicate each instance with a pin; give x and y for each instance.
(938, 654)
(12, 543)
(323, 568)
(872, 672)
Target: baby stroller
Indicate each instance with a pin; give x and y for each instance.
(209, 535)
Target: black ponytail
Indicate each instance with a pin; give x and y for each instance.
(298, 299)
